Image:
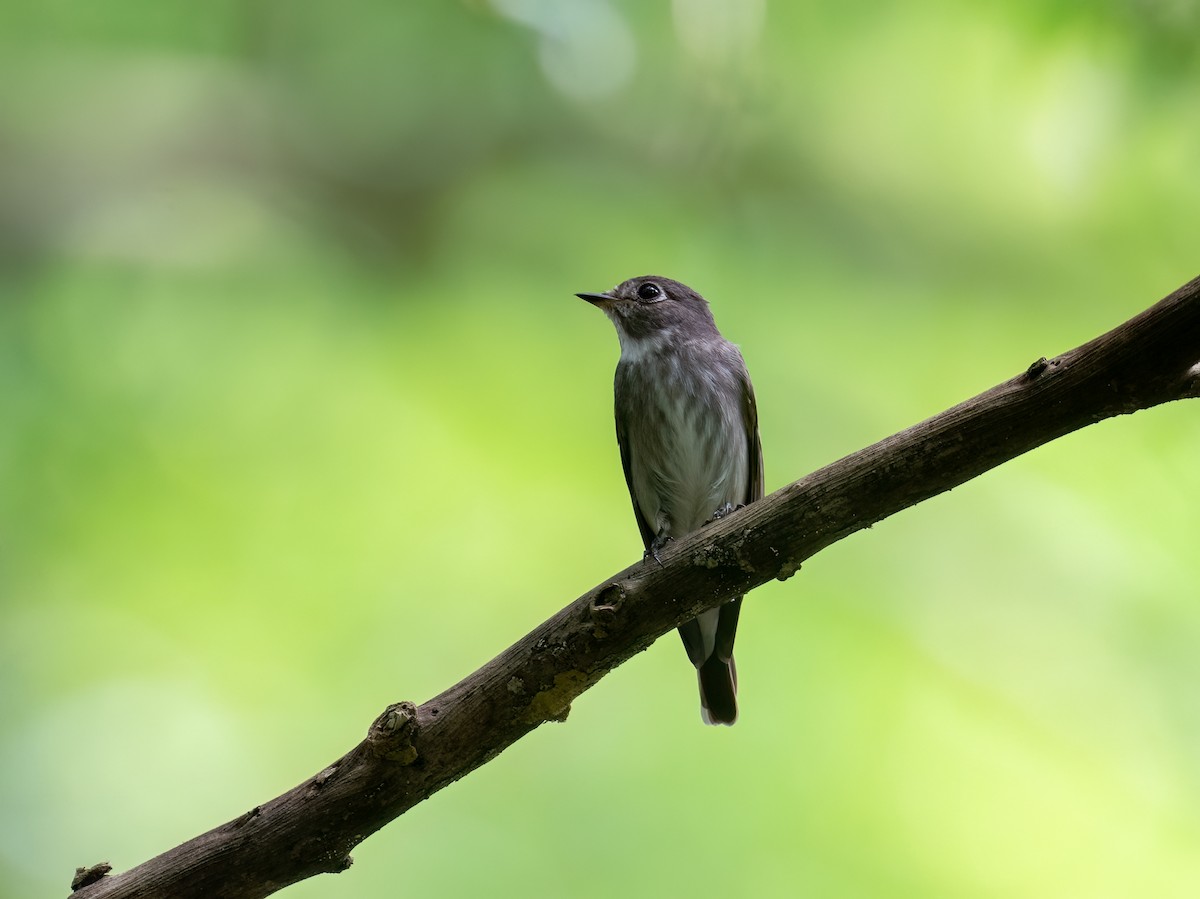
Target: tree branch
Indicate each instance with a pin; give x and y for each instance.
(412, 752)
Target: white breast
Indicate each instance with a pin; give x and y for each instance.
(695, 459)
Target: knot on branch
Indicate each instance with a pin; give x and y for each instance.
(607, 609)
(314, 787)
(788, 568)
(1037, 368)
(85, 877)
(393, 734)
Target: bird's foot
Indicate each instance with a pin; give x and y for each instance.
(655, 545)
(726, 509)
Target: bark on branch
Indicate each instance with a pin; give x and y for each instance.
(411, 752)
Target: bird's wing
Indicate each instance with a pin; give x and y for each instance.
(754, 468)
(728, 620)
(627, 462)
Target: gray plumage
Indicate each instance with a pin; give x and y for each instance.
(687, 427)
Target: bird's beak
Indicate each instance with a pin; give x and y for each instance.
(596, 299)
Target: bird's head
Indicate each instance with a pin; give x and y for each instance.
(650, 306)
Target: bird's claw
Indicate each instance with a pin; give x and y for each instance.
(727, 509)
(655, 545)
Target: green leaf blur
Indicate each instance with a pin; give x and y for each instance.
(299, 416)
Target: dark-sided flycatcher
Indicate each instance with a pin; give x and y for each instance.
(688, 431)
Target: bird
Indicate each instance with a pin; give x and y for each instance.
(687, 428)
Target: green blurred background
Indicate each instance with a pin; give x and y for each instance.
(299, 417)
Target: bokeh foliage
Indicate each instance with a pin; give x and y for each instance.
(298, 417)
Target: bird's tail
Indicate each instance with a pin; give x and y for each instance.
(718, 690)
(708, 640)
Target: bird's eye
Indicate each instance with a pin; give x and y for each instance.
(649, 291)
